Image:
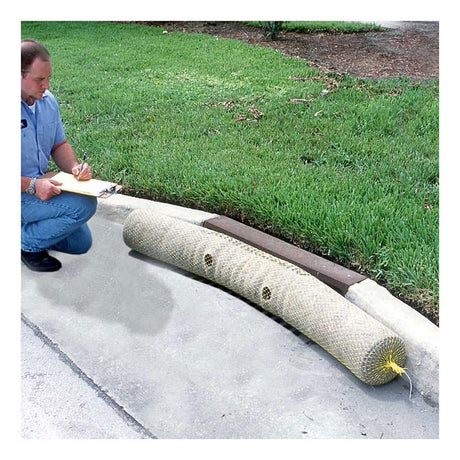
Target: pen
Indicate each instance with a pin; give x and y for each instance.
(82, 163)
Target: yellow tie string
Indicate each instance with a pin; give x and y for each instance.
(390, 364)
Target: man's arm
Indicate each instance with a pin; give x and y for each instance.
(66, 161)
(25, 181)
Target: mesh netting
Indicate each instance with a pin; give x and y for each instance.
(366, 347)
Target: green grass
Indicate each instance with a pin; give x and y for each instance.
(247, 132)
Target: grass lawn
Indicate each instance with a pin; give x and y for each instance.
(344, 167)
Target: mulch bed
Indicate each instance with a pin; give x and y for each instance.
(411, 51)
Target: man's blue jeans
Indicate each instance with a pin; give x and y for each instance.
(58, 223)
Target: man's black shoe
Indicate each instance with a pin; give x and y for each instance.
(40, 261)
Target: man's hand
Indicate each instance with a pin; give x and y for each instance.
(84, 174)
(66, 161)
(47, 188)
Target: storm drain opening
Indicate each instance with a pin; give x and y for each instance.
(266, 293)
(208, 260)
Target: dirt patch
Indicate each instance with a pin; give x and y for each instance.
(409, 50)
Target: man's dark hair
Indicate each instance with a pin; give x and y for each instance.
(31, 50)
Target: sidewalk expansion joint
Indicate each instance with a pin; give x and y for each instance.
(126, 417)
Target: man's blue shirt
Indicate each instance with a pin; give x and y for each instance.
(40, 133)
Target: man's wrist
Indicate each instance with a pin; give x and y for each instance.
(30, 189)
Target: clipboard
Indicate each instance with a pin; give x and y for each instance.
(92, 187)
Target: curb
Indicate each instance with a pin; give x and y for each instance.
(419, 334)
(117, 207)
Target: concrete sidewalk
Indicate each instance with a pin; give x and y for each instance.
(116, 345)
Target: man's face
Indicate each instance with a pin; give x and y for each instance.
(36, 81)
